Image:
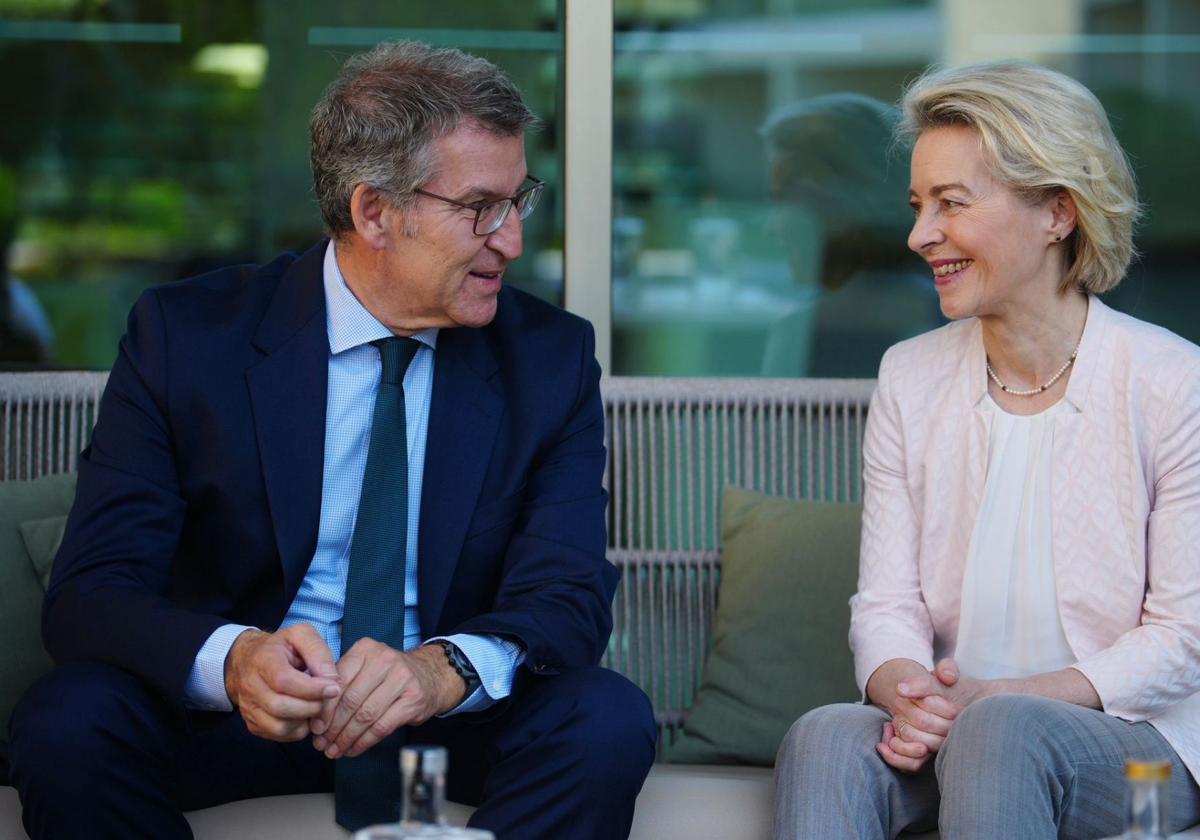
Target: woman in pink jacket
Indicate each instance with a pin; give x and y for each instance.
(1028, 608)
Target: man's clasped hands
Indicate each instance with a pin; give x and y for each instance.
(287, 686)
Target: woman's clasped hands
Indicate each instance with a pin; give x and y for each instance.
(924, 707)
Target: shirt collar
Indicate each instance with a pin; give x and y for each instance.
(347, 321)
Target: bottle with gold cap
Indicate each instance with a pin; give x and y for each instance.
(1146, 800)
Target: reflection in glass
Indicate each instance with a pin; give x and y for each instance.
(760, 212)
(769, 219)
(834, 182)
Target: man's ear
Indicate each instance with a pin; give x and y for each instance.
(1063, 215)
(372, 214)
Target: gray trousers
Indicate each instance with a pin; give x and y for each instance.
(1013, 766)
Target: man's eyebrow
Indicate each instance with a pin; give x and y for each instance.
(481, 192)
(485, 193)
(478, 192)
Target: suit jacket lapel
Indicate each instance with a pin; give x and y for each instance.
(288, 391)
(464, 416)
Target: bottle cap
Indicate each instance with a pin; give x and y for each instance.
(1147, 771)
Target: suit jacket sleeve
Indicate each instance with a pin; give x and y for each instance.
(108, 598)
(556, 586)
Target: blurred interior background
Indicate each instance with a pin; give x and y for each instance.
(759, 209)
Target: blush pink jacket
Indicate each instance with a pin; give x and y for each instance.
(1125, 516)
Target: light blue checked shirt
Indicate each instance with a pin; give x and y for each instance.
(354, 371)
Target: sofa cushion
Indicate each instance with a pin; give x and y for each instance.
(788, 569)
(42, 537)
(22, 657)
(676, 803)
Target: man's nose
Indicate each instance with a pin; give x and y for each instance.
(507, 239)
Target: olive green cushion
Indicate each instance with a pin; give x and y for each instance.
(26, 508)
(42, 537)
(788, 569)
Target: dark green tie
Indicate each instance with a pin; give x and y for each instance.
(368, 787)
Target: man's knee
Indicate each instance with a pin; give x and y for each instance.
(610, 706)
(78, 717)
(605, 716)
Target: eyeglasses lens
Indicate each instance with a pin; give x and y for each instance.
(491, 217)
(528, 200)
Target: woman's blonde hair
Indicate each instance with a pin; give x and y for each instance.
(1041, 132)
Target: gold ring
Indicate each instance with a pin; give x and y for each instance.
(900, 724)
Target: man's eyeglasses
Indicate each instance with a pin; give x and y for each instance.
(490, 215)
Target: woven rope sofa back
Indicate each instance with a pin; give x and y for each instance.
(673, 444)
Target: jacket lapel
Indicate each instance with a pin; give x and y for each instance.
(956, 468)
(288, 391)
(464, 416)
(1085, 512)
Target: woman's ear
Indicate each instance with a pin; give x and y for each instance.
(1063, 215)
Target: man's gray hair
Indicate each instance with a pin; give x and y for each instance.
(377, 121)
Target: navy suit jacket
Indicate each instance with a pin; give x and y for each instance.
(199, 497)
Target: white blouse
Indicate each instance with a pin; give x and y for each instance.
(1009, 625)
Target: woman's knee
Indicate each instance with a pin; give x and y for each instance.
(995, 734)
(1005, 715)
(832, 734)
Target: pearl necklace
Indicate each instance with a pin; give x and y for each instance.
(1033, 391)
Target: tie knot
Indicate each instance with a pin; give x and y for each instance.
(396, 353)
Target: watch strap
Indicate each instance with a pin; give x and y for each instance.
(462, 666)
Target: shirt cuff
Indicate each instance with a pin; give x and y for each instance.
(205, 686)
(495, 660)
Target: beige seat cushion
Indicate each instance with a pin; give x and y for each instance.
(681, 802)
(678, 802)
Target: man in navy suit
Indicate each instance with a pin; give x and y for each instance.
(346, 500)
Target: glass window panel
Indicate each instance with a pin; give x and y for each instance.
(760, 211)
(160, 139)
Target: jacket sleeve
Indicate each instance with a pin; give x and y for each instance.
(556, 586)
(1157, 664)
(107, 598)
(888, 616)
